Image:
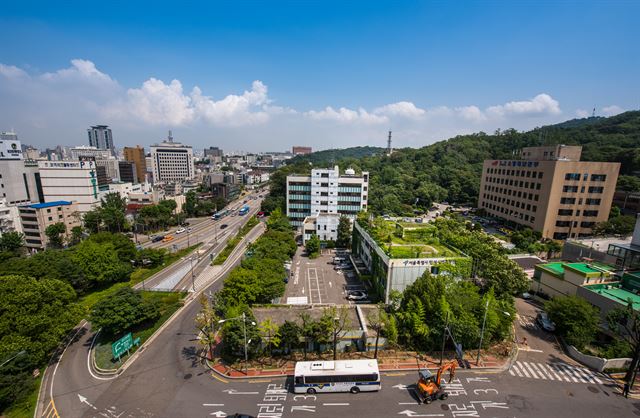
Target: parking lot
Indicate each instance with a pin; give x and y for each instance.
(320, 281)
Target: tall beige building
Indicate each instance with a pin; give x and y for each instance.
(549, 190)
(136, 156)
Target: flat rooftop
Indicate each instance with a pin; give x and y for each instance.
(616, 292)
(601, 244)
(410, 240)
(558, 268)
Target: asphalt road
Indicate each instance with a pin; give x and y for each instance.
(168, 379)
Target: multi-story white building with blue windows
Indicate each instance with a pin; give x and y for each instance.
(326, 191)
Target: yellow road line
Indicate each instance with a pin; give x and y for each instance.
(50, 410)
(395, 374)
(260, 381)
(215, 376)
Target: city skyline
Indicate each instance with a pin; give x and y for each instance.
(321, 74)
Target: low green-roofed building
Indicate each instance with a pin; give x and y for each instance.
(608, 296)
(395, 254)
(564, 279)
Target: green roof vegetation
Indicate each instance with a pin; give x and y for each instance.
(409, 240)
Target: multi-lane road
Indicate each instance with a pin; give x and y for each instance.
(168, 379)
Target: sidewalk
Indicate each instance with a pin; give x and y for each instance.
(634, 393)
(397, 362)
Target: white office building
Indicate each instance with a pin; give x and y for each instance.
(324, 225)
(326, 191)
(74, 181)
(171, 161)
(18, 177)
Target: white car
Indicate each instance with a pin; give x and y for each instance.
(357, 295)
(180, 230)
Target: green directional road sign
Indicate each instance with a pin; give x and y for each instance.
(121, 346)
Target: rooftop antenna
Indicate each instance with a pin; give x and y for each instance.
(593, 114)
(170, 137)
(389, 149)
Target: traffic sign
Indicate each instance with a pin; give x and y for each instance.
(123, 344)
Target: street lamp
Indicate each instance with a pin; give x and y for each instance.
(19, 353)
(244, 330)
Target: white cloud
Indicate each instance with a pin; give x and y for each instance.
(402, 109)
(581, 113)
(612, 110)
(67, 100)
(345, 115)
(542, 104)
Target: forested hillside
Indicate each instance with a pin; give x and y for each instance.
(450, 170)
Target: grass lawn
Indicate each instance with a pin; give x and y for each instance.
(26, 407)
(137, 276)
(169, 303)
(233, 242)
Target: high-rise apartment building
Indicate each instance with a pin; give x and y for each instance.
(74, 181)
(549, 190)
(326, 191)
(101, 138)
(136, 156)
(128, 171)
(171, 161)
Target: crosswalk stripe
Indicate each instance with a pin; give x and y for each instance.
(538, 371)
(515, 368)
(556, 367)
(526, 373)
(586, 373)
(511, 372)
(535, 376)
(569, 372)
(545, 371)
(554, 373)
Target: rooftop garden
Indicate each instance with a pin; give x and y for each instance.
(408, 240)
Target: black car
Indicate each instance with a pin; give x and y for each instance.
(157, 238)
(223, 226)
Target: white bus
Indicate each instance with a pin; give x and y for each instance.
(337, 376)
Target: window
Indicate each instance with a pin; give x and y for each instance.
(567, 200)
(563, 224)
(565, 212)
(569, 189)
(596, 189)
(598, 177)
(587, 224)
(585, 176)
(540, 175)
(590, 213)
(572, 176)
(538, 185)
(592, 201)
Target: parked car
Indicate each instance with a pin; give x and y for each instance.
(357, 295)
(545, 323)
(157, 238)
(526, 295)
(180, 230)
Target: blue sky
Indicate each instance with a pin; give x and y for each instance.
(427, 70)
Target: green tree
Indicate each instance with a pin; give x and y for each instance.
(191, 202)
(337, 321)
(576, 319)
(290, 334)
(270, 334)
(93, 220)
(113, 208)
(100, 262)
(313, 246)
(626, 323)
(378, 320)
(36, 315)
(77, 233)
(207, 324)
(55, 234)
(11, 241)
(121, 311)
(344, 233)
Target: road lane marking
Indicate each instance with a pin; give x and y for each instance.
(212, 404)
(336, 404)
(564, 376)
(535, 376)
(526, 373)
(567, 372)
(260, 381)
(511, 372)
(395, 374)
(215, 376)
(515, 368)
(554, 373)
(533, 366)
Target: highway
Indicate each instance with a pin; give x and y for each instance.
(213, 239)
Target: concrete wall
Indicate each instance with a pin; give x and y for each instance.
(552, 286)
(594, 362)
(574, 251)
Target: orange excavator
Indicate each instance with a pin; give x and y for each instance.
(429, 387)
